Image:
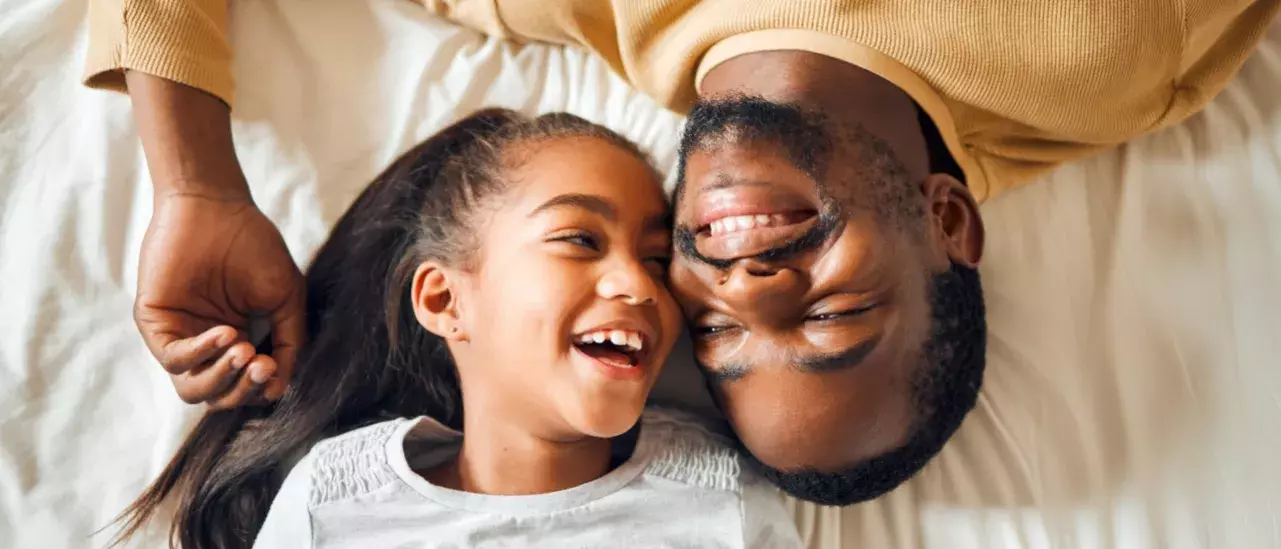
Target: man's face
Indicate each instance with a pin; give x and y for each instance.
(805, 266)
(807, 316)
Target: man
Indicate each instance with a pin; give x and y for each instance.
(826, 216)
(830, 284)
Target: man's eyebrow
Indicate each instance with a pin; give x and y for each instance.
(840, 360)
(813, 364)
(589, 202)
(727, 373)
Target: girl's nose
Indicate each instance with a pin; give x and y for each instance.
(630, 282)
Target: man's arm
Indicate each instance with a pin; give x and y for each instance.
(186, 135)
(210, 259)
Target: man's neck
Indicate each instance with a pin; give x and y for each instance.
(505, 458)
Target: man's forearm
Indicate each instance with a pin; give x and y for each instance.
(186, 135)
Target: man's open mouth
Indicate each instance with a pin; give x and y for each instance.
(748, 234)
(739, 223)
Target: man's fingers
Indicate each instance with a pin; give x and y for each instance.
(288, 329)
(210, 382)
(177, 356)
(248, 389)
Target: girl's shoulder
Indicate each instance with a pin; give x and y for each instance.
(353, 463)
(691, 450)
(360, 438)
(700, 456)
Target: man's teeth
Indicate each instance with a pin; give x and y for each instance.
(628, 340)
(744, 222)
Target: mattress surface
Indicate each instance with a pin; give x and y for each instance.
(1133, 394)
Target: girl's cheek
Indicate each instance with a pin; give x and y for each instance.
(673, 320)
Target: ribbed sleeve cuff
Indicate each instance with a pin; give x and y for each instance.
(180, 40)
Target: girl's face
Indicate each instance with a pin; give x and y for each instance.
(564, 316)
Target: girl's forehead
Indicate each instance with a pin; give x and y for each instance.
(586, 166)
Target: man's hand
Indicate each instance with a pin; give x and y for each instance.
(210, 259)
(208, 264)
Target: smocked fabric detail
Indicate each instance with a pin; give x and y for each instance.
(685, 451)
(352, 464)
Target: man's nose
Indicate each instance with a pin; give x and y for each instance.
(762, 293)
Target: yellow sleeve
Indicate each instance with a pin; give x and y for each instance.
(632, 38)
(478, 15)
(180, 40)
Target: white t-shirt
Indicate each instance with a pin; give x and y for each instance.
(683, 486)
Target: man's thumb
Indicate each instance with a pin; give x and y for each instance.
(288, 332)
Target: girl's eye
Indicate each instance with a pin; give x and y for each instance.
(579, 239)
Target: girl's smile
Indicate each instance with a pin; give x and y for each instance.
(617, 348)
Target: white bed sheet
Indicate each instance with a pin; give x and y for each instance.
(1132, 398)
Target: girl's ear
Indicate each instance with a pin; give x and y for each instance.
(436, 301)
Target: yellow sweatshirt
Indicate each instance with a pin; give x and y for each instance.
(1015, 86)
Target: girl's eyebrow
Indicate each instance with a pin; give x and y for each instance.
(661, 222)
(589, 202)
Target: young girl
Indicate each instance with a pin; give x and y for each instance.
(504, 279)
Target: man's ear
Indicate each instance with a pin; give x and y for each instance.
(954, 218)
(436, 301)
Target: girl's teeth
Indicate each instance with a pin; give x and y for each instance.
(621, 338)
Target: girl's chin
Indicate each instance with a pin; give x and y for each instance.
(609, 424)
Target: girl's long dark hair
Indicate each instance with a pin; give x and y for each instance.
(367, 359)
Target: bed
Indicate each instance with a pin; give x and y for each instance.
(1133, 394)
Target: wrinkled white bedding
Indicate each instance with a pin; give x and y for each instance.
(1134, 390)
